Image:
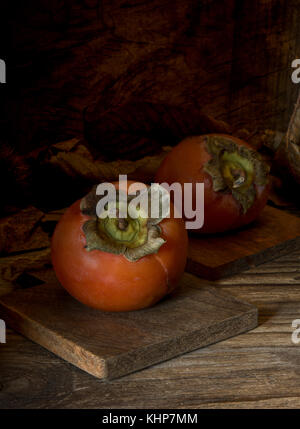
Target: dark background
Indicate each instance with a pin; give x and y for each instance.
(109, 72)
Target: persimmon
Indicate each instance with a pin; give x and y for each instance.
(235, 177)
(116, 264)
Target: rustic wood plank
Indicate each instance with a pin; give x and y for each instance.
(109, 345)
(264, 360)
(270, 403)
(274, 234)
(217, 375)
(259, 369)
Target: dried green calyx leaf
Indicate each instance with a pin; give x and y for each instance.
(134, 234)
(235, 169)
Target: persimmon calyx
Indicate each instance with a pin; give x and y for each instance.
(134, 236)
(235, 169)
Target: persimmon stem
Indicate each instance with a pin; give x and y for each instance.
(133, 237)
(122, 224)
(235, 168)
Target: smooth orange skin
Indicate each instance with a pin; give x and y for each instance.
(110, 282)
(184, 164)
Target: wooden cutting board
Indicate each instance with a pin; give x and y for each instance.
(109, 345)
(274, 234)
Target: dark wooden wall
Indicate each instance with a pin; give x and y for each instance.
(230, 58)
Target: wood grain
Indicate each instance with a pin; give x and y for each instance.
(274, 234)
(109, 345)
(259, 369)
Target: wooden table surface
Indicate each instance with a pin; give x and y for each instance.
(254, 370)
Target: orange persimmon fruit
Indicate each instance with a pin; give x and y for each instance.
(117, 265)
(235, 177)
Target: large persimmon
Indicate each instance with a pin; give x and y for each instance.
(235, 177)
(118, 264)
